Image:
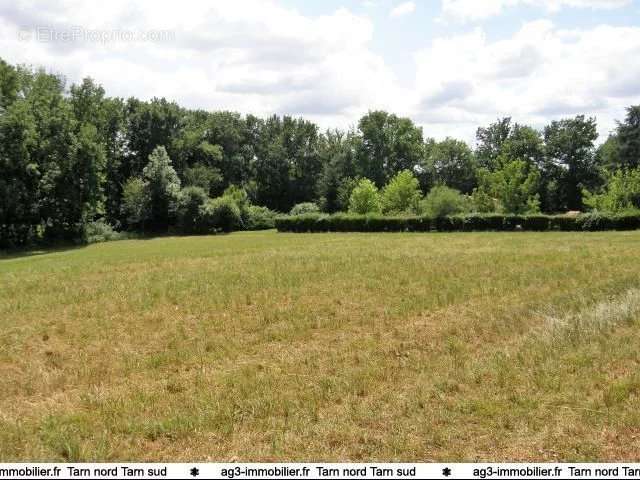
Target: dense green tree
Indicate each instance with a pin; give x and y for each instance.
(149, 124)
(208, 178)
(442, 201)
(388, 145)
(628, 135)
(621, 192)
(9, 84)
(514, 187)
(163, 186)
(189, 214)
(524, 143)
(300, 139)
(222, 214)
(490, 141)
(452, 163)
(569, 164)
(364, 198)
(71, 157)
(135, 202)
(287, 164)
(19, 175)
(608, 154)
(338, 153)
(272, 174)
(402, 194)
(238, 138)
(504, 141)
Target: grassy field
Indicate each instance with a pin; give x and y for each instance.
(267, 346)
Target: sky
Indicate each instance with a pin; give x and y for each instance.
(450, 65)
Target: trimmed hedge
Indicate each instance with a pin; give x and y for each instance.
(342, 222)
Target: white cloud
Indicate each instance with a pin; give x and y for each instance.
(403, 9)
(472, 10)
(253, 56)
(539, 73)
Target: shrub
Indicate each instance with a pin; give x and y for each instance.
(100, 231)
(514, 186)
(563, 223)
(442, 201)
(622, 192)
(208, 178)
(402, 194)
(364, 198)
(482, 202)
(135, 201)
(303, 208)
(345, 189)
(18, 235)
(628, 221)
(190, 201)
(221, 214)
(476, 222)
(596, 222)
(456, 223)
(536, 223)
(240, 197)
(260, 218)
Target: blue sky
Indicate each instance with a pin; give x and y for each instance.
(395, 38)
(450, 65)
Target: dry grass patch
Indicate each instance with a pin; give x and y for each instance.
(265, 346)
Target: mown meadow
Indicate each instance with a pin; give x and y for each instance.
(338, 346)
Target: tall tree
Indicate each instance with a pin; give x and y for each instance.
(389, 144)
(149, 124)
(629, 139)
(338, 152)
(490, 141)
(163, 186)
(300, 139)
(514, 186)
(608, 154)
(569, 164)
(452, 163)
(9, 85)
(19, 175)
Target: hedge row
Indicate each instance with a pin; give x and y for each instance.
(461, 223)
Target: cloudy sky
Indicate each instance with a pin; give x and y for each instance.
(451, 65)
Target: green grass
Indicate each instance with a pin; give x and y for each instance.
(362, 347)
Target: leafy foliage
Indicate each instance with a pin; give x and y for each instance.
(452, 163)
(442, 201)
(135, 203)
(163, 188)
(513, 186)
(190, 203)
(205, 177)
(260, 218)
(621, 193)
(341, 222)
(72, 156)
(628, 140)
(402, 194)
(365, 198)
(101, 231)
(221, 214)
(306, 207)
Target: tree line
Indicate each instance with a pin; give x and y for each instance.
(73, 156)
